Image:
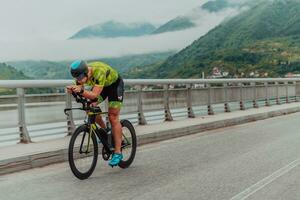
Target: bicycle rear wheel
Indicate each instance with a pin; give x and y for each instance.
(129, 144)
(83, 152)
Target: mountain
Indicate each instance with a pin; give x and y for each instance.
(198, 15)
(264, 38)
(216, 5)
(124, 63)
(177, 24)
(219, 5)
(112, 29)
(60, 70)
(7, 72)
(43, 69)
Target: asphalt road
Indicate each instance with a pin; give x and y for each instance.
(259, 160)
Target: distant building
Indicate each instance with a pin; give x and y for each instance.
(225, 74)
(292, 75)
(218, 74)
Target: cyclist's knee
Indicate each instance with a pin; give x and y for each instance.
(113, 118)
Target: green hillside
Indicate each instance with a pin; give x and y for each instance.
(264, 38)
(60, 70)
(124, 63)
(43, 69)
(9, 73)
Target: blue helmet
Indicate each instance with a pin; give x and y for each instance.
(79, 69)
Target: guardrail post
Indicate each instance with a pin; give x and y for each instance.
(287, 92)
(70, 120)
(189, 101)
(141, 117)
(168, 116)
(226, 104)
(209, 106)
(267, 100)
(242, 106)
(277, 93)
(24, 135)
(297, 89)
(255, 105)
(295, 83)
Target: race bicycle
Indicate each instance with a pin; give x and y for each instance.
(88, 139)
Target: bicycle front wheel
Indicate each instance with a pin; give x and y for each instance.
(83, 152)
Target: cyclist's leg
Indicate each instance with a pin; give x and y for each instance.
(113, 114)
(99, 119)
(115, 98)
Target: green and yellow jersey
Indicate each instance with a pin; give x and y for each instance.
(103, 75)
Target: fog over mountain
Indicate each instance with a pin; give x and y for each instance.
(43, 36)
(109, 47)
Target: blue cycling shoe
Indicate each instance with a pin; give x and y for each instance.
(116, 158)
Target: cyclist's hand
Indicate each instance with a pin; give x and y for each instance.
(94, 104)
(69, 89)
(77, 88)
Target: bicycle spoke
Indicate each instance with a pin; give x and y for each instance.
(126, 142)
(85, 156)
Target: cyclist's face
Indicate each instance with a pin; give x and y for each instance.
(82, 81)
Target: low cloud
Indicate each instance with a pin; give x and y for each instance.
(205, 18)
(96, 48)
(46, 49)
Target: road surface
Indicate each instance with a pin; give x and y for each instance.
(259, 160)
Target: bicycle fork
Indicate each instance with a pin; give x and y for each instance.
(87, 147)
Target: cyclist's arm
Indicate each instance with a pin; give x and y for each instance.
(99, 75)
(95, 93)
(100, 78)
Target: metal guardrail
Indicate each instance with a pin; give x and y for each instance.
(133, 82)
(244, 90)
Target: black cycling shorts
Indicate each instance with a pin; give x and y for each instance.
(114, 93)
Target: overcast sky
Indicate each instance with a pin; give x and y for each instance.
(59, 19)
(37, 29)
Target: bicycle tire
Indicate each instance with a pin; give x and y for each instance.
(126, 163)
(73, 167)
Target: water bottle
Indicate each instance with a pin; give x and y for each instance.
(110, 138)
(98, 140)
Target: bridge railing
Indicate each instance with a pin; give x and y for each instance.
(145, 101)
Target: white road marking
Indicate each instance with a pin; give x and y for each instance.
(262, 183)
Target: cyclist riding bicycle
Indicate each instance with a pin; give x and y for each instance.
(106, 83)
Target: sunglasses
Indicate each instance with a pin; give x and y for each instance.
(80, 77)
